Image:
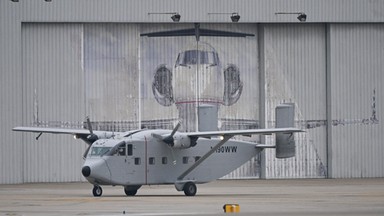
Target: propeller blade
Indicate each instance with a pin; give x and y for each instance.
(89, 125)
(91, 138)
(86, 151)
(175, 129)
(168, 139)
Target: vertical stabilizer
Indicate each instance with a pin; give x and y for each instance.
(285, 143)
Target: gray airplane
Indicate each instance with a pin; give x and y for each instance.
(153, 157)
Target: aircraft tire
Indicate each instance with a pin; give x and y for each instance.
(97, 191)
(130, 192)
(190, 189)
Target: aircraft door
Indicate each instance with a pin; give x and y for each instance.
(120, 164)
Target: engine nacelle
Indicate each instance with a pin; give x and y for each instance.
(182, 141)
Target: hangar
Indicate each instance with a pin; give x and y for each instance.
(64, 60)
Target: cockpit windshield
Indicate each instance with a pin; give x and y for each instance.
(99, 151)
(191, 57)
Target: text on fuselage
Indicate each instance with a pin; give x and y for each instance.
(226, 149)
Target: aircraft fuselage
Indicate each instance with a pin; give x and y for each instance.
(140, 159)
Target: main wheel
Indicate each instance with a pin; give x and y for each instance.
(97, 191)
(131, 190)
(190, 189)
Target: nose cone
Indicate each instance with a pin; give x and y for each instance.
(86, 171)
(96, 171)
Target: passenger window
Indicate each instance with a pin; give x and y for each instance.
(185, 160)
(137, 161)
(130, 149)
(151, 160)
(197, 158)
(164, 160)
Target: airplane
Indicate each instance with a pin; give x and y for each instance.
(197, 76)
(157, 156)
(220, 86)
(197, 62)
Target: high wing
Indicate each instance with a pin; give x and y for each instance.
(197, 32)
(53, 130)
(249, 132)
(86, 135)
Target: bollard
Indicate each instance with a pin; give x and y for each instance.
(231, 208)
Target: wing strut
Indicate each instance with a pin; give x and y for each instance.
(204, 157)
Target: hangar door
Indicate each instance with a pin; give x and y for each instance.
(295, 72)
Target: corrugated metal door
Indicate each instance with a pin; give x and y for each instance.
(357, 52)
(53, 95)
(295, 69)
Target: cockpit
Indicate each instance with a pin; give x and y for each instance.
(99, 151)
(204, 53)
(191, 57)
(110, 148)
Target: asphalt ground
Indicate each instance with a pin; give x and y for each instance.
(254, 197)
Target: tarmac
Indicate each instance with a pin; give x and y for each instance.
(254, 197)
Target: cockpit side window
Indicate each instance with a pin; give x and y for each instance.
(121, 150)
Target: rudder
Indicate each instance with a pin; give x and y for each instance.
(285, 143)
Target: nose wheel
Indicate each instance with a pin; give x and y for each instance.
(97, 191)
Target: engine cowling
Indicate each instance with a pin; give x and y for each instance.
(182, 141)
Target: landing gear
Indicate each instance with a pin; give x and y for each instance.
(131, 190)
(97, 191)
(190, 189)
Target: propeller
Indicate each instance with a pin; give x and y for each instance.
(91, 138)
(169, 139)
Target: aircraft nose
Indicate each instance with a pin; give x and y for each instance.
(86, 171)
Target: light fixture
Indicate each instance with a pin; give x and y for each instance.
(302, 16)
(15, 0)
(175, 16)
(235, 17)
(48, 0)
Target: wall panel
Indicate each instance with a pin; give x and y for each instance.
(197, 11)
(53, 95)
(357, 74)
(295, 72)
(10, 90)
